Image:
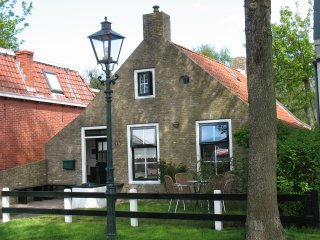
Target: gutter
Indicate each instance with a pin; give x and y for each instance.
(39, 99)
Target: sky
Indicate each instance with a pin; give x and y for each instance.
(59, 29)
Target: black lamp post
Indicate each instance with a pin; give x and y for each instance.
(106, 46)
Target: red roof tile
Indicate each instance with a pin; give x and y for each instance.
(236, 82)
(75, 90)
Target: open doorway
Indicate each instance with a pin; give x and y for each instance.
(94, 154)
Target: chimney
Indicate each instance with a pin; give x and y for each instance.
(156, 25)
(25, 59)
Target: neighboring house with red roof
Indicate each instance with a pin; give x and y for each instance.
(37, 100)
(169, 103)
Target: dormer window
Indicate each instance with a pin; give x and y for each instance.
(53, 82)
(144, 83)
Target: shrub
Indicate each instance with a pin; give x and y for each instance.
(170, 169)
(298, 164)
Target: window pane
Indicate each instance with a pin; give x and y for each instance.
(145, 163)
(221, 132)
(223, 167)
(151, 154)
(145, 154)
(102, 146)
(222, 152)
(144, 86)
(144, 136)
(139, 171)
(53, 81)
(150, 136)
(207, 152)
(214, 132)
(207, 133)
(96, 132)
(152, 171)
(139, 155)
(145, 83)
(137, 136)
(215, 152)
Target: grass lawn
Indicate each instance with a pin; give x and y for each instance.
(53, 227)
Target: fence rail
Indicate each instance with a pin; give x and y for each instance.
(309, 199)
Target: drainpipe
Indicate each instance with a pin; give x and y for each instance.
(316, 37)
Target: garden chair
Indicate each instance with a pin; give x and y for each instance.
(173, 188)
(221, 182)
(216, 182)
(185, 179)
(227, 189)
(228, 175)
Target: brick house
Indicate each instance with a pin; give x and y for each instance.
(37, 100)
(169, 103)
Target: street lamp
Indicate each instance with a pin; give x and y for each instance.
(106, 46)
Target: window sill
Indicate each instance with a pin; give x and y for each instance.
(145, 97)
(145, 182)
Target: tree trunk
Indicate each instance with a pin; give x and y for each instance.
(308, 107)
(263, 220)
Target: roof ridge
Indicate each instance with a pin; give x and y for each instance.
(55, 64)
(7, 51)
(4, 51)
(209, 58)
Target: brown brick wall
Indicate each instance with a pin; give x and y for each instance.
(204, 98)
(67, 144)
(32, 174)
(25, 128)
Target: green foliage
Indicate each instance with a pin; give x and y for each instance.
(210, 168)
(241, 137)
(298, 156)
(293, 54)
(92, 76)
(299, 161)
(170, 169)
(206, 169)
(209, 51)
(11, 24)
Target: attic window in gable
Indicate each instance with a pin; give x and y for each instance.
(232, 73)
(53, 82)
(144, 83)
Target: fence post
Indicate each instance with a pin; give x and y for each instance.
(133, 208)
(67, 206)
(315, 208)
(218, 210)
(5, 204)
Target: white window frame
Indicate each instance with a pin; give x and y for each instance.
(84, 149)
(130, 169)
(53, 82)
(198, 150)
(136, 84)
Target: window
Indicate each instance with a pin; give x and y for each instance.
(144, 83)
(53, 82)
(214, 145)
(143, 153)
(101, 154)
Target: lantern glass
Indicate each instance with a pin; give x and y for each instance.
(107, 51)
(106, 44)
